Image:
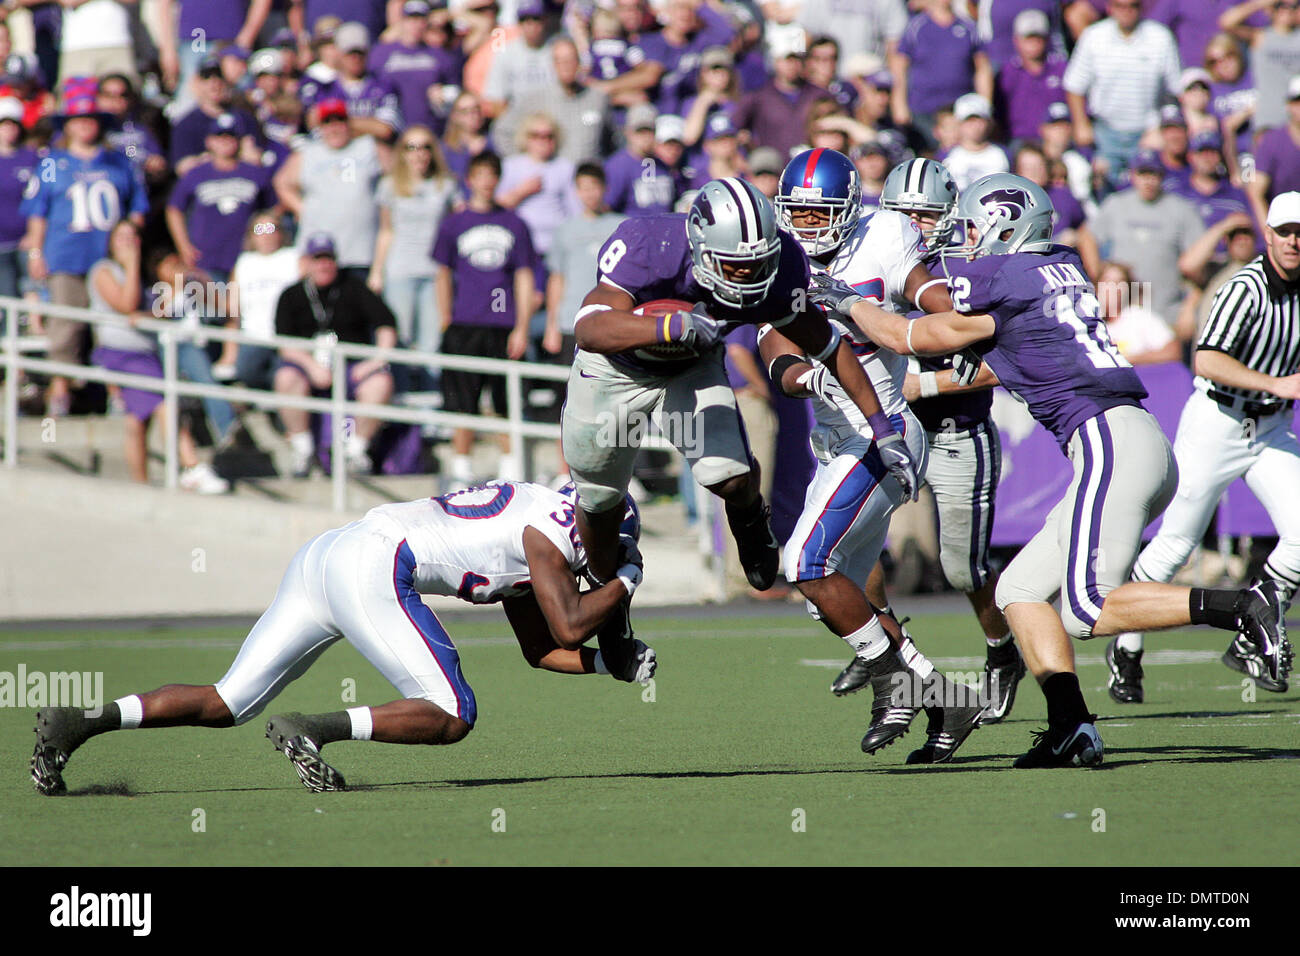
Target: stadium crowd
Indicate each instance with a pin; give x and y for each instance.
(441, 176)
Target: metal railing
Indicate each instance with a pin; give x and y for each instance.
(171, 334)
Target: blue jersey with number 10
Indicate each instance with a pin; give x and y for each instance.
(81, 201)
(1051, 349)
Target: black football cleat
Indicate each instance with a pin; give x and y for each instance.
(1125, 683)
(891, 710)
(1259, 611)
(758, 549)
(1002, 673)
(294, 736)
(1074, 746)
(1241, 656)
(852, 679)
(947, 730)
(59, 731)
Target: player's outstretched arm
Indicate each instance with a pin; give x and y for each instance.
(571, 615)
(607, 324)
(937, 334)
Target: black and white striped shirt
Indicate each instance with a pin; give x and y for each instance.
(1255, 318)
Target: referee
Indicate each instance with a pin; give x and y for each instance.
(1237, 423)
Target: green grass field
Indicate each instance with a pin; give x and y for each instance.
(741, 735)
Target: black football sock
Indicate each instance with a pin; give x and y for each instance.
(1001, 655)
(741, 516)
(1065, 706)
(330, 727)
(1216, 607)
(109, 719)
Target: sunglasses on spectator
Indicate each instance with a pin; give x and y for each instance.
(541, 134)
(210, 73)
(112, 94)
(333, 119)
(414, 147)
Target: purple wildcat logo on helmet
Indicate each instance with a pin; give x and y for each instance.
(1007, 202)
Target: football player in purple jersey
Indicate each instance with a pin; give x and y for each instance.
(728, 255)
(1027, 307)
(363, 583)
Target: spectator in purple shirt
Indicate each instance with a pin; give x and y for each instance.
(229, 22)
(1194, 98)
(465, 136)
(777, 113)
(822, 68)
(1031, 80)
(116, 97)
(538, 184)
(17, 166)
(210, 206)
(372, 103)
(485, 288)
(996, 22)
(422, 75)
(1194, 22)
(637, 181)
(719, 93)
(938, 61)
(1206, 184)
(1070, 220)
(672, 55)
(190, 132)
(720, 157)
(372, 14)
(1277, 160)
(1233, 96)
(1173, 143)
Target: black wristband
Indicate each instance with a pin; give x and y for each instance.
(780, 365)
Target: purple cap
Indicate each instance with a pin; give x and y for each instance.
(415, 8)
(530, 8)
(284, 37)
(1171, 114)
(321, 244)
(1146, 160)
(719, 125)
(1058, 112)
(881, 80)
(1209, 139)
(223, 125)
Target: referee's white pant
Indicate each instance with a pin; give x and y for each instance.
(355, 582)
(1215, 446)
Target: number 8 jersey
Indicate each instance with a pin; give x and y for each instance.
(81, 201)
(1051, 349)
(470, 544)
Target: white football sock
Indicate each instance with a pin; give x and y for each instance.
(363, 722)
(1130, 642)
(132, 709)
(870, 641)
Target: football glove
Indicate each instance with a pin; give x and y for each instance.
(897, 459)
(821, 381)
(695, 329)
(834, 294)
(965, 366)
(643, 664)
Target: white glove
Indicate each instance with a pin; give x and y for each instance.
(821, 381)
(644, 662)
(695, 329)
(965, 366)
(894, 453)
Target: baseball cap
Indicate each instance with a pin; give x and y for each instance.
(1191, 76)
(81, 104)
(415, 8)
(1171, 114)
(765, 160)
(785, 42)
(325, 28)
(1209, 139)
(719, 125)
(268, 60)
(11, 108)
(1058, 112)
(284, 37)
(210, 65)
(1031, 23)
(669, 128)
(530, 9)
(320, 244)
(861, 64)
(1293, 88)
(1146, 160)
(716, 56)
(1284, 209)
(223, 125)
(351, 37)
(331, 108)
(19, 68)
(641, 116)
(881, 80)
(972, 105)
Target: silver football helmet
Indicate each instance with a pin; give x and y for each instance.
(1008, 214)
(732, 224)
(922, 185)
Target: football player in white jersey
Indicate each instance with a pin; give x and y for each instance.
(841, 531)
(510, 542)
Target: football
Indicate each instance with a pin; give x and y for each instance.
(661, 307)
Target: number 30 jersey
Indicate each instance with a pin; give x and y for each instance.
(1051, 349)
(470, 544)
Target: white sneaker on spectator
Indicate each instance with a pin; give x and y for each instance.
(202, 480)
(303, 452)
(461, 473)
(359, 461)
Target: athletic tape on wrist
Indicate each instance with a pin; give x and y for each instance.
(929, 384)
(630, 575)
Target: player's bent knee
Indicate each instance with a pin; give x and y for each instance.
(1078, 628)
(457, 730)
(598, 499)
(957, 571)
(737, 486)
